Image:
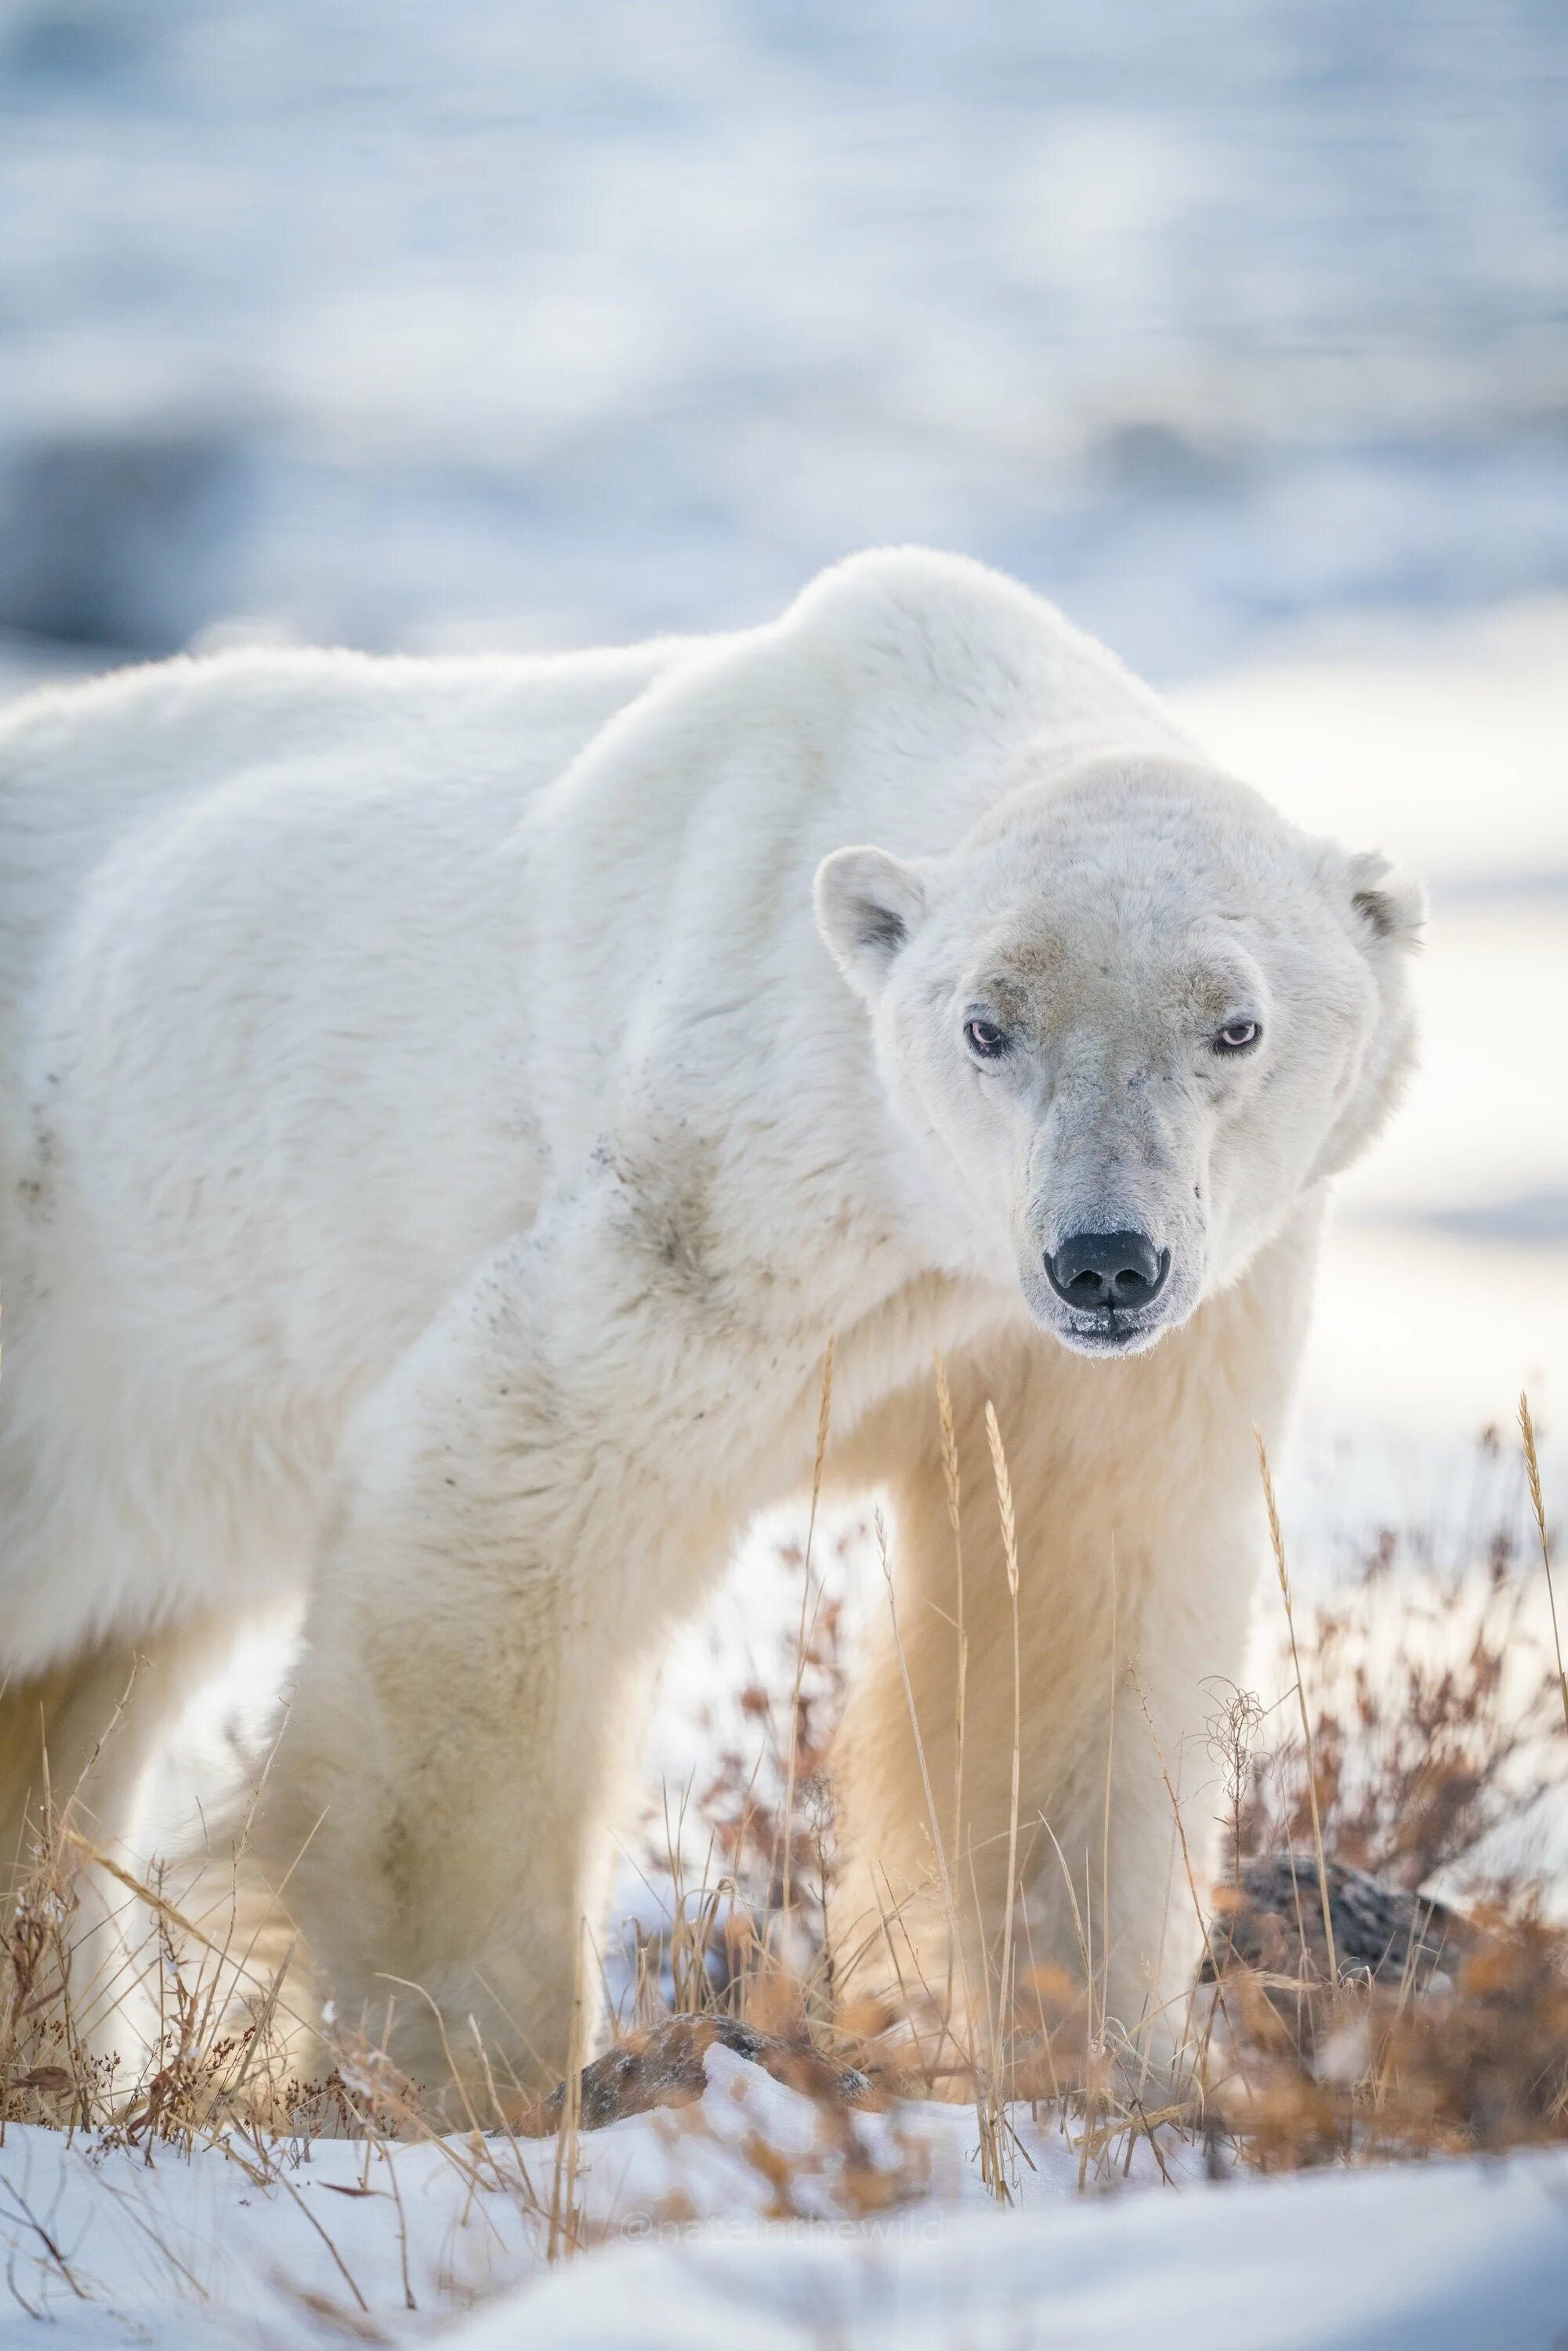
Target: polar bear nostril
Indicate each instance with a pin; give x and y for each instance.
(1098, 1273)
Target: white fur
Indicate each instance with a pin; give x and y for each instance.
(437, 1146)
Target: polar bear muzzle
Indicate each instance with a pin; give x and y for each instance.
(1108, 1273)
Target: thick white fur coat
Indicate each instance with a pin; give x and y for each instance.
(439, 1131)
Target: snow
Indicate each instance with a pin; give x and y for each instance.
(193, 2253)
(198, 2248)
(1445, 2258)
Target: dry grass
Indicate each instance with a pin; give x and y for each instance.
(1425, 1717)
(1424, 1728)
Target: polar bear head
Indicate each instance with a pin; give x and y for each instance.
(1122, 1029)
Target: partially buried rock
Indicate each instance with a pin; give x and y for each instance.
(1271, 1921)
(666, 2066)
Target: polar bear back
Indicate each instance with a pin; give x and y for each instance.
(313, 967)
(224, 883)
(81, 765)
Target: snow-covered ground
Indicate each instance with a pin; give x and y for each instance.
(1447, 2258)
(418, 2232)
(194, 2253)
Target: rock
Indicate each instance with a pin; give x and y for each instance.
(664, 2067)
(1273, 1922)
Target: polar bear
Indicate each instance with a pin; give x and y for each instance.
(447, 1108)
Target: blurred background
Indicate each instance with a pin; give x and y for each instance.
(1240, 327)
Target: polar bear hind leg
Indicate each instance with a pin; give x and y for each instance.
(78, 1745)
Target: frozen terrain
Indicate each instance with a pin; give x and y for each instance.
(196, 2254)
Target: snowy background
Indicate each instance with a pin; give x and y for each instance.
(1240, 327)
(396, 322)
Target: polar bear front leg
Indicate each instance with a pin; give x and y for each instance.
(1137, 1542)
(470, 1684)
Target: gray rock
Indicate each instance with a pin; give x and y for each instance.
(664, 2066)
(1273, 1922)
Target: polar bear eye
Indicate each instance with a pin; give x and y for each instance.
(1238, 1037)
(986, 1039)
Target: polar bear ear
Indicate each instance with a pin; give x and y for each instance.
(1388, 908)
(869, 904)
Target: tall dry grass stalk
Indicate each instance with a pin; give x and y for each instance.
(565, 2218)
(1538, 1507)
(825, 1421)
(1278, 1540)
(1006, 1989)
(953, 1487)
(1195, 1888)
(995, 2134)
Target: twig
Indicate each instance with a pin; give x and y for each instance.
(1010, 1552)
(825, 1415)
(49, 2245)
(955, 1942)
(1532, 1471)
(955, 1497)
(563, 2215)
(1276, 1539)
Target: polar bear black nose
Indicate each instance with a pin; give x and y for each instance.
(1096, 1270)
